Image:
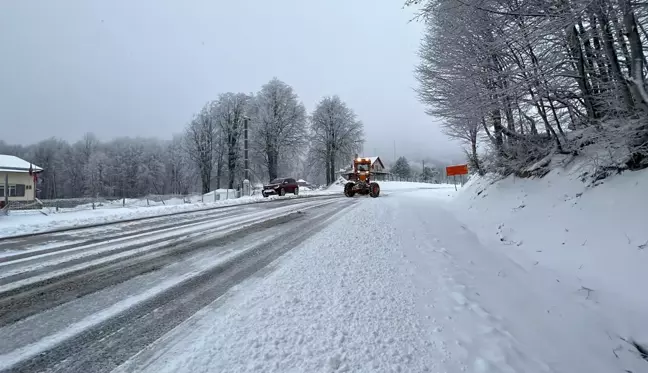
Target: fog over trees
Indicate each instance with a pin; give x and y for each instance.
(284, 141)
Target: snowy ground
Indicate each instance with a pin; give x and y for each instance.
(421, 281)
(534, 275)
(396, 186)
(89, 298)
(33, 221)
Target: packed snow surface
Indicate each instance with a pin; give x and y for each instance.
(394, 186)
(406, 284)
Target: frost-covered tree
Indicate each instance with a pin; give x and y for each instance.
(429, 174)
(96, 171)
(278, 125)
(201, 143)
(230, 110)
(180, 170)
(401, 168)
(50, 155)
(123, 167)
(527, 73)
(336, 135)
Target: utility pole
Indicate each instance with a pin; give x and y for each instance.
(6, 191)
(394, 150)
(246, 181)
(423, 170)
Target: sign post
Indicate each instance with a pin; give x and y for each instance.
(246, 159)
(460, 169)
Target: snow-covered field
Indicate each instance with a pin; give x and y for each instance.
(526, 276)
(33, 221)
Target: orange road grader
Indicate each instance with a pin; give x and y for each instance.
(360, 180)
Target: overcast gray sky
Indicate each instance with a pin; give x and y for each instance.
(141, 68)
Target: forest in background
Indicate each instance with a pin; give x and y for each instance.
(284, 140)
(521, 81)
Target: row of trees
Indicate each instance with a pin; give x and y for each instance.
(123, 167)
(523, 74)
(284, 140)
(402, 169)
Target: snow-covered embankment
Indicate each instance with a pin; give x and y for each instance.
(594, 237)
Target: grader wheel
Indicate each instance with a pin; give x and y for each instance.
(348, 189)
(374, 190)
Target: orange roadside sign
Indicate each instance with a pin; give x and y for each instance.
(460, 169)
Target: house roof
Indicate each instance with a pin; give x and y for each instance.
(11, 163)
(374, 159)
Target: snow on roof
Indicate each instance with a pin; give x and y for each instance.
(302, 181)
(12, 163)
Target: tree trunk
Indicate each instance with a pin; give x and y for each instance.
(273, 163)
(618, 28)
(475, 157)
(582, 80)
(332, 168)
(205, 177)
(231, 167)
(613, 60)
(327, 167)
(636, 49)
(219, 175)
(497, 129)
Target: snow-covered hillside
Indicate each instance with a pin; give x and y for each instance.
(593, 238)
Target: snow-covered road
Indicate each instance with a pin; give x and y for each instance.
(398, 285)
(91, 299)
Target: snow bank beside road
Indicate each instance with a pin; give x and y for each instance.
(599, 234)
(32, 221)
(593, 237)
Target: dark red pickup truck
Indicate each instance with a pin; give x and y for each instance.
(281, 187)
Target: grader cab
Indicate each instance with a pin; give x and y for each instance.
(360, 180)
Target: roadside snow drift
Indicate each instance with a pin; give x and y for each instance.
(596, 237)
(33, 221)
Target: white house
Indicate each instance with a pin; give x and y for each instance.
(21, 177)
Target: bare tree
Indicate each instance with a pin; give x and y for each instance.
(526, 73)
(336, 135)
(201, 137)
(97, 174)
(279, 124)
(230, 109)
